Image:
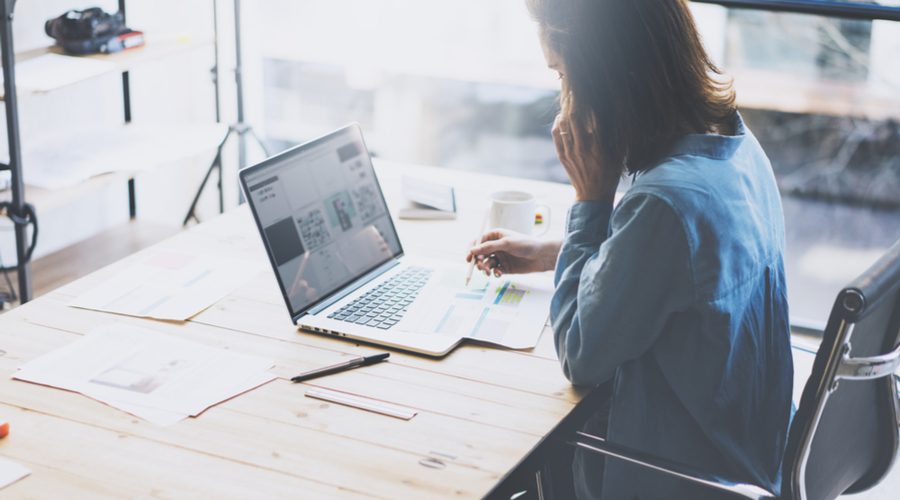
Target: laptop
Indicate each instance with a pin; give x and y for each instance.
(334, 248)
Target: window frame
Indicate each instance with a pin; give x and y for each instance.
(831, 8)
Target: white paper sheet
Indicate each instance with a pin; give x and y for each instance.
(169, 285)
(163, 418)
(509, 312)
(52, 71)
(11, 472)
(147, 373)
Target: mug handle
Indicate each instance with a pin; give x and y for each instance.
(546, 218)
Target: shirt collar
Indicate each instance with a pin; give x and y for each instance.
(717, 147)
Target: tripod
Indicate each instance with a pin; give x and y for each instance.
(241, 129)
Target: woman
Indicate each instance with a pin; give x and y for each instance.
(675, 297)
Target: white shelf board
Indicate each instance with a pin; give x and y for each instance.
(154, 50)
(109, 157)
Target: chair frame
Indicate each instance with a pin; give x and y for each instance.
(840, 367)
(849, 309)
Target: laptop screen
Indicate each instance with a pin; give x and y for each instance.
(322, 216)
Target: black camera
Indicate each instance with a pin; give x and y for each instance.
(92, 31)
(85, 24)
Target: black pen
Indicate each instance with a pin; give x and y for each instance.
(342, 366)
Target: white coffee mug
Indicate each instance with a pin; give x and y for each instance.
(515, 210)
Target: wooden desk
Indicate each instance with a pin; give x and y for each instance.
(481, 409)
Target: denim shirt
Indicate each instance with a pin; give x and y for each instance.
(677, 298)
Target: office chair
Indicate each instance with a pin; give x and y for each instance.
(844, 436)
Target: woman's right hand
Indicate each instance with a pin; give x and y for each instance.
(506, 252)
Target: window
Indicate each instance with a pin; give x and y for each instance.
(463, 85)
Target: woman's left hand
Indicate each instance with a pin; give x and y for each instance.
(592, 176)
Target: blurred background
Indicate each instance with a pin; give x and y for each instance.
(463, 85)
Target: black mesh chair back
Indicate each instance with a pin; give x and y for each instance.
(844, 436)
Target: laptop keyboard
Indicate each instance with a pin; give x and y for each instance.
(383, 306)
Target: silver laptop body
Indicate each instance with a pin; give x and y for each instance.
(334, 248)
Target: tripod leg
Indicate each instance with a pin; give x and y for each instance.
(259, 141)
(217, 163)
(221, 194)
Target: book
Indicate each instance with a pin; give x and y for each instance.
(427, 200)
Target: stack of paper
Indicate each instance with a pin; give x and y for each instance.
(147, 373)
(169, 285)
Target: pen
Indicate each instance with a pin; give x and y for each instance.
(472, 264)
(342, 366)
(471, 269)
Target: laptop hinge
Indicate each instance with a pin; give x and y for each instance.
(352, 287)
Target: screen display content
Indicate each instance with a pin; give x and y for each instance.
(323, 216)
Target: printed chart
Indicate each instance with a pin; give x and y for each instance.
(503, 312)
(509, 295)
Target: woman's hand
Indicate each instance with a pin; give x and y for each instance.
(506, 252)
(593, 178)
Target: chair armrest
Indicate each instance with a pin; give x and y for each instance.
(599, 445)
(868, 368)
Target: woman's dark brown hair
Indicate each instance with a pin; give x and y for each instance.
(635, 72)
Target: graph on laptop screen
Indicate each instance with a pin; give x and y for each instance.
(323, 216)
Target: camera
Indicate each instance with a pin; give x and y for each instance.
(92, 31)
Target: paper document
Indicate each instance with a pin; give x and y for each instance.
(149, 374)
(11, 472)
(510, 312)
(168, 285)
(52, 71)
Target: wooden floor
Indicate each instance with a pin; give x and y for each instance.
(56, 269)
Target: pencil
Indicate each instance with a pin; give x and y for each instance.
(477, 239)
(471, 270)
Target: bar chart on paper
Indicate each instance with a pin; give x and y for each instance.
(509, 295)
(503, 312)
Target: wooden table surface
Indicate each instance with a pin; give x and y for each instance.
(481, 409)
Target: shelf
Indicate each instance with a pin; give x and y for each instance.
(110, 157)
(47, 200)
(79, 259)
(35, 75)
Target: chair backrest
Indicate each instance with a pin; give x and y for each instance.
(844, 436)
